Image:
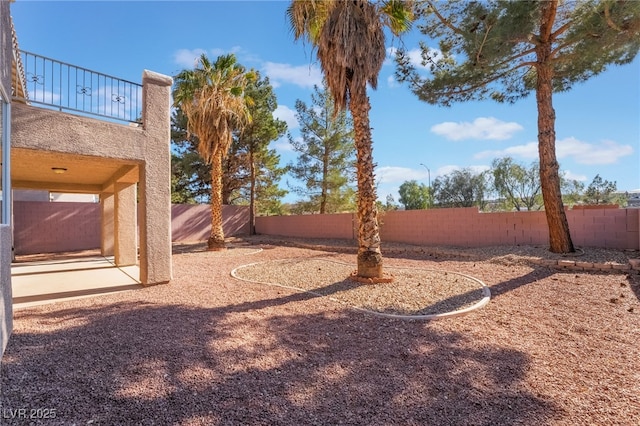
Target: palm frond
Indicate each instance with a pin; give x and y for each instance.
(212, 97)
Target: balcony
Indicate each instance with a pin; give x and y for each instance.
(52, 84)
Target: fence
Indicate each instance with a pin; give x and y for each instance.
(467, 227)
(44, 227)
(63, 86)
(190, 223)
(41, 227)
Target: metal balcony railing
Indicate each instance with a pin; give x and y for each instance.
(66, 87)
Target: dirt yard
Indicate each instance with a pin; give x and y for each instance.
(552, 347)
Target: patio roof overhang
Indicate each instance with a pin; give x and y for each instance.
(35, 169)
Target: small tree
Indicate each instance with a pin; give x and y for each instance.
(519, 185)
(414, 196)
(326, 154)
(599, 191)
(461, 188)
(572, 191)
(261, 163)
(390, 204)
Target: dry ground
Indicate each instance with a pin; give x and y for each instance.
(551, 348)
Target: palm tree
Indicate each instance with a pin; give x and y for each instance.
(350, 43)
(212, 98)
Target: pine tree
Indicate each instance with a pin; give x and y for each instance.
(326, 153)
(505, 50)
(261, 164)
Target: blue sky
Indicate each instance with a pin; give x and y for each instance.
(597, 127)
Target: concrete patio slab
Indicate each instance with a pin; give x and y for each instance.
(55, 280)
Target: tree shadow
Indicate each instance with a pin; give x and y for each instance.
(634, 282)
(144, 363)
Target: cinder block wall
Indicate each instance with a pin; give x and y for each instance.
(43, 227)
(190, 223)
(610, 228)
(467, 227)
(55, 227)
(340, 225)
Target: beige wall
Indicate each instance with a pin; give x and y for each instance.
(6, 311)
(6, 306)
(6, 47)
(466, 227)
(102, 157)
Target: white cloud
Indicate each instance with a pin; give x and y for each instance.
(568, 174)
(283, 145)
(529, 151)
(302, 75)
(483, 128)
(287, 115)
(605, 152)
(388, 174)
(187, 58)
(243, 56)
(216, 51)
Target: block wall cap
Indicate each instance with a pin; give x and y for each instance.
(157, 78)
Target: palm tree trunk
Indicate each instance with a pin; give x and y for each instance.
(216, 239)
(559, 235)
(369, 254)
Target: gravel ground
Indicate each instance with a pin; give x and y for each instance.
(414, 292)
(552, 347)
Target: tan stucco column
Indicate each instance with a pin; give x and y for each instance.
(125, 236)
(155, 180)
(107, 200)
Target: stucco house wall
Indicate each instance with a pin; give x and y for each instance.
(137, 154)
(6, 303)
(6, 46)
(6, 310)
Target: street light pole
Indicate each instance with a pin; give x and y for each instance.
(429, 176)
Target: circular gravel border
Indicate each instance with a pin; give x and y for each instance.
(486, 293)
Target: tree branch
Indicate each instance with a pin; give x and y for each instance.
(443, 20)
(490, 80)
(607, 16)
(484, 40)
(561, 30)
